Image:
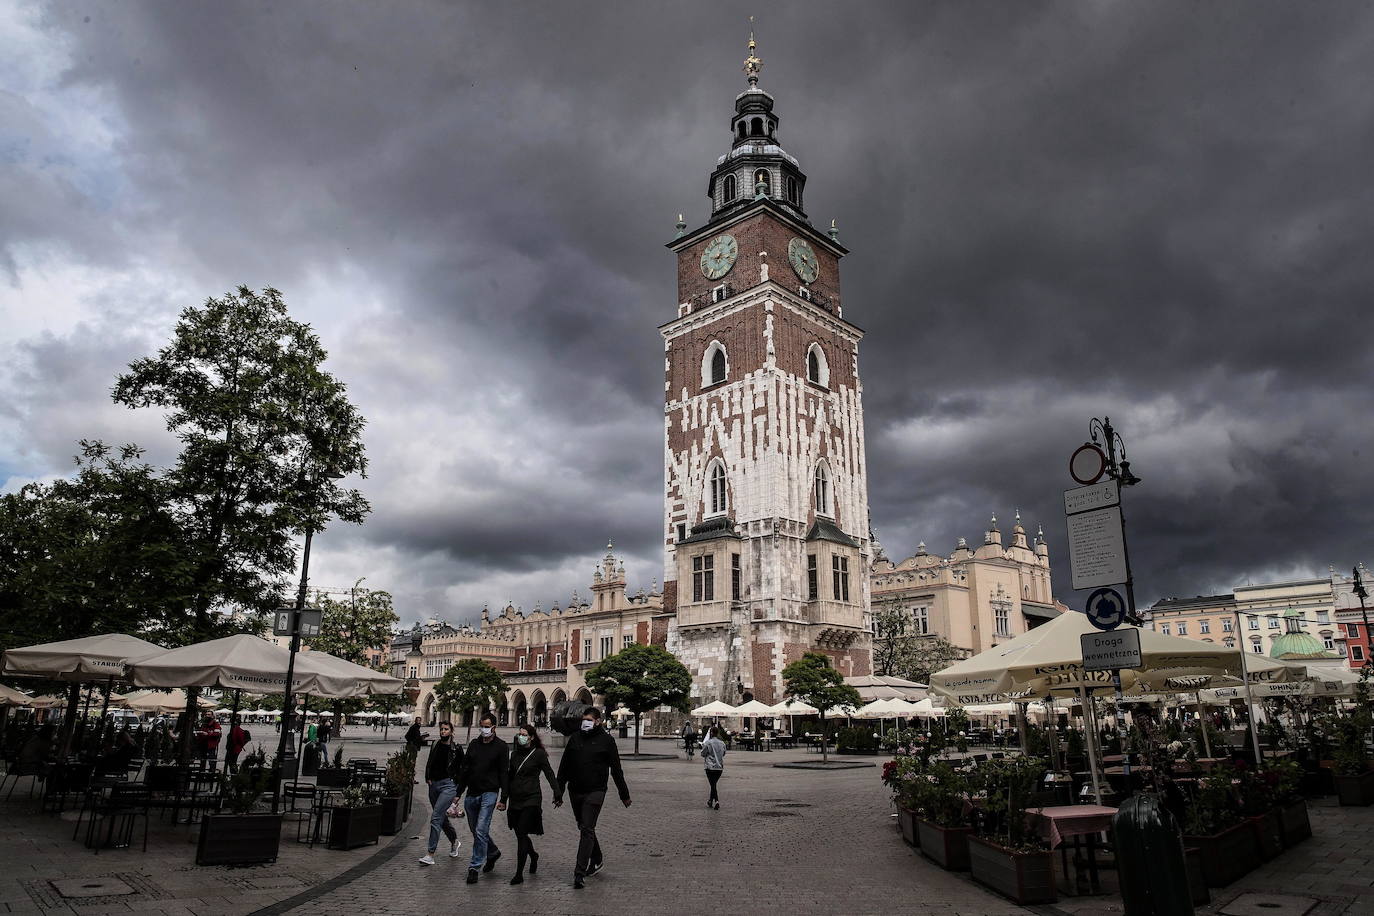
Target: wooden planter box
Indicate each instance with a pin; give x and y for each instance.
(1268, 834)
(350, 828)
(1227, 855)
(394, 814)
(947, 847)
(1022, 877)
(1294, 823)
(333, 777)
(1356, 790)
(238, 839)
(906, 822)
(1197, 882)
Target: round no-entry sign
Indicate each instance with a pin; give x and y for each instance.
(1087, 464)
(1106, 609)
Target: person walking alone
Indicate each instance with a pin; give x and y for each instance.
(713, 756)
(590, 756)
(486, 774)
(689, 738)
(525, 814)
(322, 734)
(238, 740)
(442, 770)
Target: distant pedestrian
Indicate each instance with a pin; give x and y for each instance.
(486, 777)
(713, 756)
(525, 814)
(238, 739)
(207, 736)
(689, 738)
(442, 772)
(414, 738)
(590, 757)
(322, 735)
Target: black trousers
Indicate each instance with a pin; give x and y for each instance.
(713, 777)
(586, 809)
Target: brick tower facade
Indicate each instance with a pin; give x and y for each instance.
(765, 491)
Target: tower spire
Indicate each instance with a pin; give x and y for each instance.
(752, 63)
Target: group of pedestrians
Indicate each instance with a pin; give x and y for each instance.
(491, 777)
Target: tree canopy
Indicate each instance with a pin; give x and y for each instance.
(914, 656)
(812, 679)
(470, 684)
(641, 678)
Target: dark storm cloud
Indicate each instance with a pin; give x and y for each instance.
(1156, 211)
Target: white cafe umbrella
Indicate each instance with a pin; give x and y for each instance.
(752, 709)
(794, 707)
(11, 697)
(714, 708)
(90, 658)
(367, 680)
(150, 701)
(926, 709)
(242, 661)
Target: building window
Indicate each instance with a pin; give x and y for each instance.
(812, 585)
(1273, 621)
(1323, 617)
(1328, 642)
(715, 364)
(587, 649)
(523, 659)
(792, 189)
(839, 569)
(1357, 653)
(821, 490)
(1205, 626)
(1001, 618)
(1226, 625)
(607, 646)
(817, 367)
(920, 620)
(626, 641)
(1164, 628)
(1254, 622)
(729, 192)
(1230, 643)
(1257, 648)
(734, 576)
(1352, 630)
(1183, 628)
(716, 504)
(539, 661)
(558, 659)
(704, 578)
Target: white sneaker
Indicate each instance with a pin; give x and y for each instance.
(427, 860)
(454, 853)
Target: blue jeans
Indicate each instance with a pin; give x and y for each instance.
(479, 810)
(442, 792)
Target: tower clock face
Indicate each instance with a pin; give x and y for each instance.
(719, 256)
(803, 260)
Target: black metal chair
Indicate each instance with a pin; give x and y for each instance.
(65, 779)
(125, 803)
(293, 794)
(18, 771)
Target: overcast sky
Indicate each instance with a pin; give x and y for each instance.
(1158, 211)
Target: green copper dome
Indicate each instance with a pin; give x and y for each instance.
(1295, 643)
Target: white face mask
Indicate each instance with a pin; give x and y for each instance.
(522, 740)
(486, 731)
(588, 725)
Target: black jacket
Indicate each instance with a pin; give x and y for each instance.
(413, 735)
(486, 768)
(587, 760)
(445, 761)
(525, 768)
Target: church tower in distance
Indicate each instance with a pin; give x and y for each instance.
(765, 491)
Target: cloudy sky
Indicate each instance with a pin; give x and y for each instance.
(1157, 211)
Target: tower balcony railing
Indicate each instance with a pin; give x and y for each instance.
(834, 613)
(703, 613)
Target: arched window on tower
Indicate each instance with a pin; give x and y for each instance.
(715, 493)
(756, 127)
(741, 130)
(729, 192)
(761, 178)
(821, 490)
(792, 189)
(715, 366)
(817, 369)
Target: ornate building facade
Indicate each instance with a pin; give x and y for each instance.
(765, 492)
(975, 598)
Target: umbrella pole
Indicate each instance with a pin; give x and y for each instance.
(109, 689)
(69, 718)
(1202, 723)
(1090, 724)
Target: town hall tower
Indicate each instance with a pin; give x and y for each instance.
(765, 491)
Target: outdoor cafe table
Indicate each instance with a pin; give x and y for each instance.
(1061, 822)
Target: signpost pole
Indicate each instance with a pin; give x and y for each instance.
(1121, 729)
(288, 698)
(1090, 723)
(1249, 696)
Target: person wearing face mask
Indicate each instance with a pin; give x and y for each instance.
(590, 756)
(486, 775)
(441, 773)
(525, 813)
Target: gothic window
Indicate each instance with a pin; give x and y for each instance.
(812, 585)
(704, 578)
(761, 177)
(523, 659)
(681, 532)
(715, 365)
(741, 130)
(792, 189)
(821, 490)
(756, 127)
(1001, 618)
(558, 659)
(539, 661)
(734, 576)
(716, 504)
(839, 569)
(817, 368)
(729, 192)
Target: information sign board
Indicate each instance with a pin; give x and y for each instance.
(1097, 548)
(309, 621)
(1109, 651)
(1096, 496)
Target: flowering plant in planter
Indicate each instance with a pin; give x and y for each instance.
(1009, 783)
(1214, 806)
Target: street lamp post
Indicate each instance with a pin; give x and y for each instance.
(1364, 613)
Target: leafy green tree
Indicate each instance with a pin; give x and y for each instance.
(901, 653)
(812, 680)
(641, 678)
(266, 434)
(470, 684)
(349, 629)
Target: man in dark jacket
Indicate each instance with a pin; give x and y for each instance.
(486, 775)
(442, 771)
(590, 756)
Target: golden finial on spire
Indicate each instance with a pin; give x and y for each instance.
(752, 63)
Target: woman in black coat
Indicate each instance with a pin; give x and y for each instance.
(525, 807)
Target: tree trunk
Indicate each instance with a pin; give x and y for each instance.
(189, 731)
(69, 718)
(636, 734)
